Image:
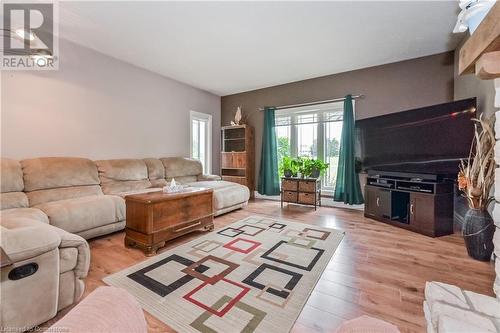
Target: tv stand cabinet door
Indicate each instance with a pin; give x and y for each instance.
(378, 202)
(371, 208)
(422, 213)
(384, 203)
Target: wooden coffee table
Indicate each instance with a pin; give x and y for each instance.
(156, 217)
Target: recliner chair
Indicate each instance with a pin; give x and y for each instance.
(42, 271)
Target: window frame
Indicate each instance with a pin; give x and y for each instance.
(207, 118)
(293, 113)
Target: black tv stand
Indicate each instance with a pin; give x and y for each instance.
(420, 204)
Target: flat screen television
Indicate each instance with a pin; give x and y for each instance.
(429, 140)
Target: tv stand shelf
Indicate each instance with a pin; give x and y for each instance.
(420, 206)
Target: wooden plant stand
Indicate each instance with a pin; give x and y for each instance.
(304, 191)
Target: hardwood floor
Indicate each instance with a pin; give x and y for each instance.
(377, 270)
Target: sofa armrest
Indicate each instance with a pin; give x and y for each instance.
(71, 240)
(208, 177)
(23, 239)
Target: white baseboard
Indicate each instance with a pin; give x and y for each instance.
(325, 202)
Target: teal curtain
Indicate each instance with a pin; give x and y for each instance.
(347, 188)
(268, 173)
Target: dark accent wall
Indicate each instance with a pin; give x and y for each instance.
(387, 88)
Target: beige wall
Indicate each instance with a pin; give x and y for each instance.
(99, 107)
(388, 88)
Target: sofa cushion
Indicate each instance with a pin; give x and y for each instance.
(122, 175)
(226, 194)
(54, 172)
(158, 183)
(213, 184)
(145, 190)
(155, 167)
(177, 167)
(156, 172)
(102, 230)
(13, 200)
(27, 213)
(208, 177)
(11, 176)
(80, 214)
(183, 180)
(230, 196)
(63, 193)
(116, 188)
(11, 183)
(121, 170)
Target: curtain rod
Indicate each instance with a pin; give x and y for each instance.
(314, 103)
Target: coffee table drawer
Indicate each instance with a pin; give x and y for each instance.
(186, 227)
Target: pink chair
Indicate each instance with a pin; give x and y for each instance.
(366, 324)
(106, 309)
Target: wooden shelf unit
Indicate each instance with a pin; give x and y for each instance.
(238, 155)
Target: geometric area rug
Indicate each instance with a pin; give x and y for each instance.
(254, 275)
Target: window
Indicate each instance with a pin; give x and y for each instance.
(312, 131)
(283, 136)
(201, 139)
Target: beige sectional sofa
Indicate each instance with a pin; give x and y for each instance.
(85, 197)
(50, 205)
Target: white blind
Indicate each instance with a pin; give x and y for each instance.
(311, 114)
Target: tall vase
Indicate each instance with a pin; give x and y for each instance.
(478, 234)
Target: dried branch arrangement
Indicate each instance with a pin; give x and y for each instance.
(477, 173)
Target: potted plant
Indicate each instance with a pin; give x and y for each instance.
(295, 166)
(306, 166)
(475, 179)
(309, 167)
(302, 167)
(288, 167)
(285, 168)
(318, 168)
